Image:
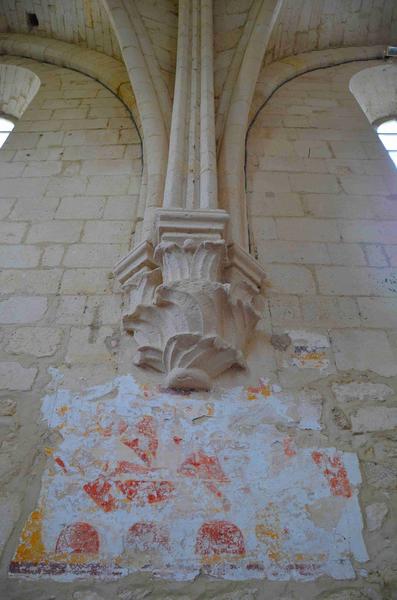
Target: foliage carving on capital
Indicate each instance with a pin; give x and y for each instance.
(189, 322)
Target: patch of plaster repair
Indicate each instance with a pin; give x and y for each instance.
(147, 480)
(307, 351)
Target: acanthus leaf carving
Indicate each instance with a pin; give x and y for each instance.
(187, 321)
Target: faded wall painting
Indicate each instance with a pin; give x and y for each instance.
(144, 479)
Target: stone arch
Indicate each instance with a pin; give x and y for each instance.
(18, 87)
(375, 89)
(272, 77)
(106, 70)
(153, 101)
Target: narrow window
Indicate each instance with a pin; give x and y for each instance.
(387, 133)
(32, 20)
(6, 126)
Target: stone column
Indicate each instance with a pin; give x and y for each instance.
(191, 290)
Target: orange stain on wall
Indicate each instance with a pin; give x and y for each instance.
(31, 548)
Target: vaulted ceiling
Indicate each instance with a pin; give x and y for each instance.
(86, 23)
(301, 26)
(82, 22)
(305, 25)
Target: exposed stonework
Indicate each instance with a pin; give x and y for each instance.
(305, 26)
(376, 514)
(84, 24)
(78, 193)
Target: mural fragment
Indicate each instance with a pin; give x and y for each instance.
(147, 480)
(308, 350)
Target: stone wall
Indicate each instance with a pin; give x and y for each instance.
(70, 176)
(304, 26)
(83, 23)
(282, 476)
(323, 210)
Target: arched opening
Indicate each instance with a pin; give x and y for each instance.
(375, 91)
(6, 126)
(387, 132)
(18, 87)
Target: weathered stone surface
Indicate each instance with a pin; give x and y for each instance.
(341, 419)
(87, 345)
(38, 341)
(364, 351)
(280, 342)
(87, 595)
(135, 594)
(22, 309)
(347, 594)
(376, 514)
(357, 390)
(14, 376)
(239, 595)
(7, 407)
(377, 418)
(382, 475)
(9, 513)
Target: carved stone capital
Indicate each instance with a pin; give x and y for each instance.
(191, 260)
(190, 307)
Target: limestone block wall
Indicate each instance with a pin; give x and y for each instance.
(322, 202)
(161, 23)
(304, 26)
(84, 23)
(280, 482)
(229, 21)
(69, 183)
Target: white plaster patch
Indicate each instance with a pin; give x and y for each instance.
(148, 480)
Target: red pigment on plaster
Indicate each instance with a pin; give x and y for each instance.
(147, 535)
(99, 491)
(146, 449)
(122, 426)
(288, 447)
(143, 491)
(219, 537)
(335, 472)
(217, 492)
(177, 439)
(77, 538)
(60, 462)
(212, 488)
(202, 466)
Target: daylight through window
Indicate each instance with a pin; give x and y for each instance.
(6, 126)
(388, 136)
